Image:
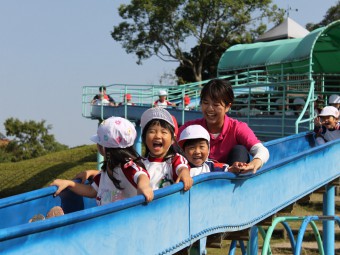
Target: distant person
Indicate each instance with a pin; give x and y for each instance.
(327, 127)
(123, 173)
(253, 111)
(298, 105)
(318, 105)
(102, 98)
(195, 142)
(162, 100)
(127, 100)
(230, 140)
(184, 105)
(334, 100)
(280, 107)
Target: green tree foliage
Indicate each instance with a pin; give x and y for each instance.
(166, 29)
(332, 14)
(30, 139)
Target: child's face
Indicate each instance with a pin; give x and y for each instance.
(197, 152)
(158, 140)
(162, 98)
(328, 121)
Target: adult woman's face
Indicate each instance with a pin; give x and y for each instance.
(213, 113)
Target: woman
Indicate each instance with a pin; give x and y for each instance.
(230, 140)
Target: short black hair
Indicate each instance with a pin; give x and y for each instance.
(219, 90)
(193, 141)
(101, 88)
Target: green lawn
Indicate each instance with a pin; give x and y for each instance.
(27, 175)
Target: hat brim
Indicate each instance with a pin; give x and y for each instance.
(95, 138)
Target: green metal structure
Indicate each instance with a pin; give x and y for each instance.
(271, 75)
(268, 79)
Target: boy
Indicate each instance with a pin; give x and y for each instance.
(195, 142)
(327, 127)
(162, 101)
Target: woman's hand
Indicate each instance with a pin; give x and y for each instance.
(241, 167)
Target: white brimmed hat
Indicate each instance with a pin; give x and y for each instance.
(115, 132)
(299, 101)
(156, 113)
(193, 132)
(162, 92)
(334, 99)
(329, 111)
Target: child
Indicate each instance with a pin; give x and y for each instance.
(164, 165)
(123, 174)
(127, 100)
(194, 141)
(162, 102)
(327, 127)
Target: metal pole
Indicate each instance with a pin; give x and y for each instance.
(328, 226)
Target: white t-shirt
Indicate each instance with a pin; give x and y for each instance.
(164, 172)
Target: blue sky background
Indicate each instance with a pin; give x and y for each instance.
(49, 50)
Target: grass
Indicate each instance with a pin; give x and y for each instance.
(28, 175)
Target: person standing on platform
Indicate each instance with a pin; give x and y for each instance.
(102, 98)
(162, 100)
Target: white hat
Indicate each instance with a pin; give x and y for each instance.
(299, 101)
(193, 132)
(115, 132)
(156, 113)
(162, 93)
(334, 99)
(329, 111)
(279, 101)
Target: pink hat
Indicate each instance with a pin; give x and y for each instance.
(193, 132)
(329, 111)
(128, 96)
(156, 113)
(115, 132)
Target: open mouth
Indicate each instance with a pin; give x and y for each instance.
(157, 145)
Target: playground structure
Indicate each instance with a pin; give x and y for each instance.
(264, 75)
(176, 219)
(267, 72)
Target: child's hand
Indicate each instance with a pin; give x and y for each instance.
(184, 176)
(61, 184)
(147, 193)
(317, 122)
(143, 187)
(86, 175)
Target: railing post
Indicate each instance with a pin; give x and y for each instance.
(328, 226)
(138, 143)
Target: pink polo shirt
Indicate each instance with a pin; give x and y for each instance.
(233, 133)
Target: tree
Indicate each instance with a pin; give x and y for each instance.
(166, 28)
(30, 139)
(332, 14)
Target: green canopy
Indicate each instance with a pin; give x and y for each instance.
(319, 52)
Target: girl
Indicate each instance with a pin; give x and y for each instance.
(164, 165)
(123, 173)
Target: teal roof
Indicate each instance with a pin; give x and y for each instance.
(320, 47)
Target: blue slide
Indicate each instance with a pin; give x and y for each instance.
(217, 202)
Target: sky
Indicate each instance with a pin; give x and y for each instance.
(49, 50)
